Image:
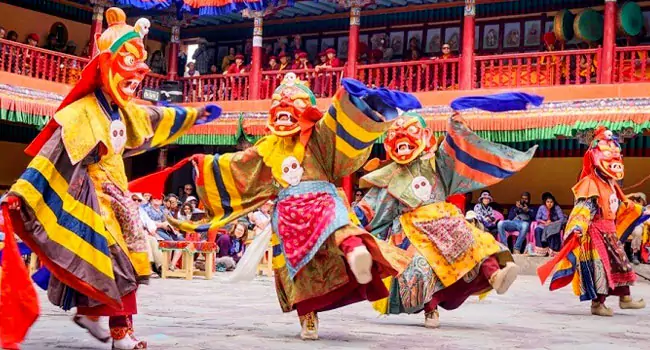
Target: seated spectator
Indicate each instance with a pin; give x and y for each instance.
(188, 190)
(485, 213)
(302, 62)
(163, 228)
(284, 62)
(185, 214)
(519, 219)
(173, 208)
(550, 221)
(231, 247)
(446, 52)
(259, 219)
(149, 227)
(238, 67)
(358, 195)
(472, 218)
(147, 199)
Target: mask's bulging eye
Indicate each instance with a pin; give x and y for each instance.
(299, 103)
(129, 60)
(413, 129)
(286, 169)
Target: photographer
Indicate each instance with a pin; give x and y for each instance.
(519, 219)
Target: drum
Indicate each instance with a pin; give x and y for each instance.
(630, 19)
(588, 26)
(563, 25)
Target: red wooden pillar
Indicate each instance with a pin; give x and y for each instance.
(609, 43)
(256, 60)
(172, 59)
(353, 41)
(96, 27)
(467, 55)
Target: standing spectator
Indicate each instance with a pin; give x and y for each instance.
(446, 52)
(519, 219)
(296, 44)
(485, 213)
(149, 226)
(302, 62)
(386, 49)
(284, 61)
(191, 71)
(188, 190)
(550, 220)
(12, 35)
(157, 63)
(181, 63)
(228, 59)
(32, 39)
(204, 56)
(238, 67)
(52, 43)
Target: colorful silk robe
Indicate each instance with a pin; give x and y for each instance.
(594, 261)
(308, 263)
(444, 247)
(78, 216)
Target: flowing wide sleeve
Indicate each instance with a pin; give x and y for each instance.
(153, 127)
(357, 117)
(230, 186)
(467, 162)
(377, 211)
(581, 215)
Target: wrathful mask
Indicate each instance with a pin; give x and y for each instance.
(291, 100)
(606, 154)
(407, 138)
(122, 56)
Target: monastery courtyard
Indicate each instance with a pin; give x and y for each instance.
(217, 314)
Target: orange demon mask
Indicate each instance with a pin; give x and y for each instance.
(407, 138)
(606, 154)
(122, 56)
(293, 103)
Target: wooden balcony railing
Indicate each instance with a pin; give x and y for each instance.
(40, 63)
(151, 81)
(412, 76)
(576, 67)
(216, 87)
(632, 64)
(323, 82)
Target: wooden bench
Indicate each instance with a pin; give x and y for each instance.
(189, 249)
(265, 267)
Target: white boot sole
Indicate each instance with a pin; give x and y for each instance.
(93, 328)
(360, 261)
(511, 271)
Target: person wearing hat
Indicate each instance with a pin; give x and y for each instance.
(236, 82)
(472, 218)
(265, 89)
(593, 260)
(323, 259)
(284, 61)
(82, 149)
(451, 258)
(519, 218)
(326, 82)
(272, 63)
(302, 62)
(52, 43)
(485, 212)
(32, 39)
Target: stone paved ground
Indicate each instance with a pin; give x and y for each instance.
(198, 314)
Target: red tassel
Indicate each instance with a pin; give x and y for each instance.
(19, 307)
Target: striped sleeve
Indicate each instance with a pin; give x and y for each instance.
(230, 186)
(167, 123)
(345, 135)
(380, 209)
(581, 215)
(467, 162)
